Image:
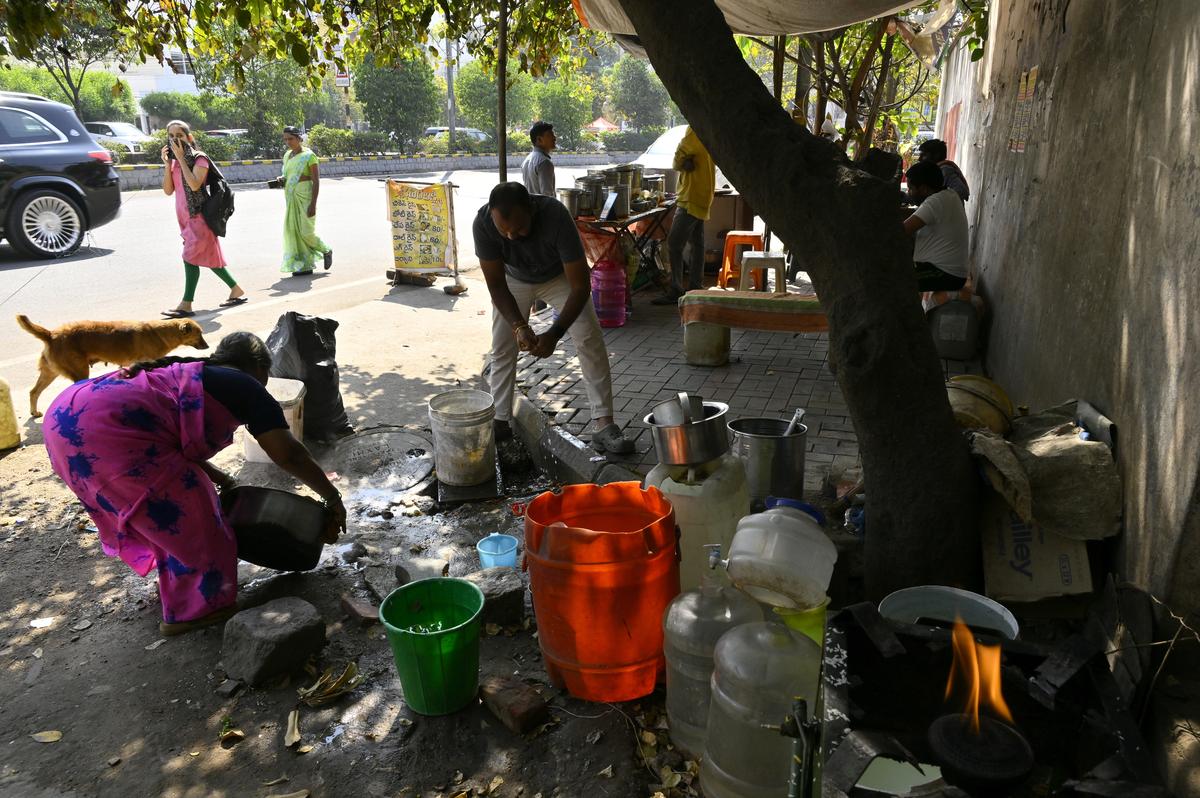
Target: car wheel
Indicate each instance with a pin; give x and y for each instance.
(45, 224)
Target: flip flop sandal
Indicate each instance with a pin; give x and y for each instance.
(183, 627)
(178, 314)
(229, 303)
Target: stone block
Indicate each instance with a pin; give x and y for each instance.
(272, 639)
(503, 595)
(380, 580)
(415, 568)
(515, 704)
(359, 610)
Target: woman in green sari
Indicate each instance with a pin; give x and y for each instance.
(301, 182)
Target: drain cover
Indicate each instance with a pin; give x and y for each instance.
(393, 455)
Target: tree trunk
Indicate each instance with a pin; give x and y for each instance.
(822, 86)
(777, 68)
(885, 68)
(502, 92)
(921, 488)
(451, 108)
(803, 81)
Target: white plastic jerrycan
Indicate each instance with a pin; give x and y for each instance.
(782, 557)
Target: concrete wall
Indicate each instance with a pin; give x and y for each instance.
(1087, 245)
(150, 176)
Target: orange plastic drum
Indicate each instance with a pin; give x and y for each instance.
(603, 565)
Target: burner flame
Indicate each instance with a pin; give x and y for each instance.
(976, 672)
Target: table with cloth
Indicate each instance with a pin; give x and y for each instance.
(708, 315)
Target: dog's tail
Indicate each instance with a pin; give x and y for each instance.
(36, 330)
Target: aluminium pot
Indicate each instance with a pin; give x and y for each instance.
(681, 437)
(570, 198)
(275, 528)
(774, 461)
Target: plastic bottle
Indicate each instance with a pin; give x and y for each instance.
(608, 293)
(692, 625)
(782, 557)
(10, 436)
(760, 668)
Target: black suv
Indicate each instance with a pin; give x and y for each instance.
(56, 182)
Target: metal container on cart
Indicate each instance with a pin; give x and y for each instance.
(570, 198)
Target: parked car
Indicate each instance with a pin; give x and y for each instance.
(228, 131)
(475, 133)
(56, 181)
(120, 132)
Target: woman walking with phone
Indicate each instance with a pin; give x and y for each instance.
(184, 176)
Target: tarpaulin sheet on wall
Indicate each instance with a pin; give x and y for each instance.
(758, 17)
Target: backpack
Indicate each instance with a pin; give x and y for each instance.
(218, 204)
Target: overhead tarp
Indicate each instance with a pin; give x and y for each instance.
(758, 17)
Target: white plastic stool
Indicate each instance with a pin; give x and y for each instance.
(290, 395)
(754, 261)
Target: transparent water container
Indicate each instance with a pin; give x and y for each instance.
(759, 669)
(692, 625)
(782, 557)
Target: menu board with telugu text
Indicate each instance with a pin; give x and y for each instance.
(422, 220)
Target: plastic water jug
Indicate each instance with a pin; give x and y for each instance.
(759, 669)
(692, 625)
(10, 436)
(608, 293)
(782, 557)
(709, 500)
(603, 567)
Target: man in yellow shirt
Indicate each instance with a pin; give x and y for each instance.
(697, 181)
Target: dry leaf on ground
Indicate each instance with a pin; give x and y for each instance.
(594, 737)
(275, 782)
(156, 644)
(292, 735)
(607, 773)
(304, 749)
(495, 784)
(296, 794)
(232, 736)
(327, 688)
(47, 736)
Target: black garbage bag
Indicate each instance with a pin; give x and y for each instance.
(303, 348)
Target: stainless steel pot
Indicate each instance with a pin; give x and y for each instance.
(275, 528)
(570, 198)
(621, 206)
(774, 461)
(683, 438)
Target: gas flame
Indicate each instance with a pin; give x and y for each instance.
(976, 671)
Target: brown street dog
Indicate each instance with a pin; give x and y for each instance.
(72, 349)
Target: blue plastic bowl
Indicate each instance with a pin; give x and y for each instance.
(497, 551)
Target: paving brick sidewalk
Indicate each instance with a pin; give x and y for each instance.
(769, 374)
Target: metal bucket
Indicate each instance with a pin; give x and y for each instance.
(621, 206)
(570, 198)
(682, 439)
(774, 462)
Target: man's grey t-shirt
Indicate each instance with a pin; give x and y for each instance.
(539, 257)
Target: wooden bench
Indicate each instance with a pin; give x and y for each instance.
(708, 316)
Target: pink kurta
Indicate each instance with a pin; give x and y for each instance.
(130, 448)
(200, 244)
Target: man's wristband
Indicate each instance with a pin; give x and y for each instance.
(520, 325)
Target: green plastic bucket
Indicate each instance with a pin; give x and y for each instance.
(433, 627)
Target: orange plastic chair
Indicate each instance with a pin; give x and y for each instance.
(731, 264)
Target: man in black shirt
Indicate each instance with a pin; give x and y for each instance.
(529, 249)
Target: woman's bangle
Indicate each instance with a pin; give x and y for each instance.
(522, 326)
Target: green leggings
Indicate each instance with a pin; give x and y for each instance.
(191, 277)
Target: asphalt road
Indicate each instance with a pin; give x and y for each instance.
(132, 269)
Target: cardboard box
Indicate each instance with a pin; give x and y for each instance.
(1021, 562)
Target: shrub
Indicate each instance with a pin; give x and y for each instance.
(330, 141)
(629, 140)
(118, 150)
(369, 142)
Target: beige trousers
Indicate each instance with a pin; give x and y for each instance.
(585, 333)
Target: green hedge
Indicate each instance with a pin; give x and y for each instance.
(332, 142)
(630, 141)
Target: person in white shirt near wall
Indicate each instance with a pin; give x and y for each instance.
(938, 228)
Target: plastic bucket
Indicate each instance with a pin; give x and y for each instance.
(941, 603)
(603, 566)
(433, 628)
(808, 622)
(464, 444)
(497, 551)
